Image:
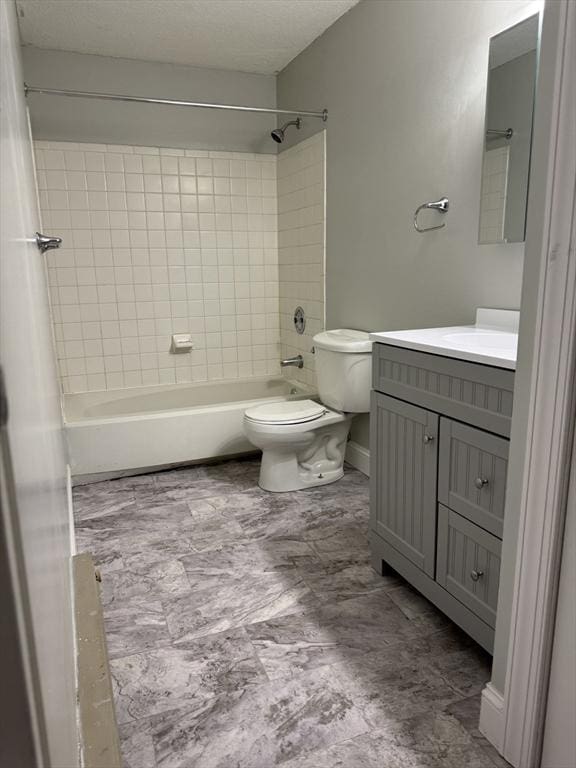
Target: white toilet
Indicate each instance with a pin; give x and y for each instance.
(303, 442)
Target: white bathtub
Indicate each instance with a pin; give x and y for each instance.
(153, 426)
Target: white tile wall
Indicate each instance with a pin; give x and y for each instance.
(494, 194)
(160, 241)
(301, 251)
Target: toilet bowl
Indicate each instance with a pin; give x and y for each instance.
(303, 442)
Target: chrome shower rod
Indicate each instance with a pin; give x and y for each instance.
(323, 115)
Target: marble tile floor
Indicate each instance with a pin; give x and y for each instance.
(248, 630)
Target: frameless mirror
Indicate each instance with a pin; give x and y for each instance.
(508, 133)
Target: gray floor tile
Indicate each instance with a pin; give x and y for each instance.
(99, 499)
(340, 577)
(137, 745)
(467, 712)
(135, 627)
(201, 481)
(209, 567)
(390, 687)
(235, 600)
(417, 609)
(277, 515)
(458, 659)
(411, 603)
(144, 578)
(333, 541)
(432, 741)
(156, 681)
(141, 521)
(96, 502)
(260, 727)
(329, 634)
(212, 528)
(107, 555)
(155, 531)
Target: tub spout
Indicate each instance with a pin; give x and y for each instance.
(297, 361)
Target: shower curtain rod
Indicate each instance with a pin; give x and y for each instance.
(171, 102)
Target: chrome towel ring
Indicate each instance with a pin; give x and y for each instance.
(441, 205)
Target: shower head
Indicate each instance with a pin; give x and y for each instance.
(278, 133)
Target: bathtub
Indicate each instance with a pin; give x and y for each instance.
(145, 427)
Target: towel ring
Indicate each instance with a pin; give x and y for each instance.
(441, 205)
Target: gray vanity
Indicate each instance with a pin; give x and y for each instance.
(440, 429)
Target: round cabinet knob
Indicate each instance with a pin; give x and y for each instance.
(475, 575)
(480, 482)
(428, 439)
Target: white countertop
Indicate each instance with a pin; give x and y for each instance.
(493, 340)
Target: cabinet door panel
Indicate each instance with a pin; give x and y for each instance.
(404, 455)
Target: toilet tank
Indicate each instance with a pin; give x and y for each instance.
(344, 369)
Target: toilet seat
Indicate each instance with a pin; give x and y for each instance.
(286, 412)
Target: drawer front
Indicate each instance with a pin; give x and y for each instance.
(472, 474)
(477, 394)
(468, 564)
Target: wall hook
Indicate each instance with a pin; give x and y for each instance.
(441, 205)
(47, 242)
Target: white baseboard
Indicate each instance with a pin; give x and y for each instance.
(69, 485)
(492, 716)
(359, 457)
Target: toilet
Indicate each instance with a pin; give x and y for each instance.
(303, 442)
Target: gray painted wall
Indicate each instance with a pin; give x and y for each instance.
(405, 86)
(510, 105)
(66, 119)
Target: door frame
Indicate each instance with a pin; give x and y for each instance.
(543, 419)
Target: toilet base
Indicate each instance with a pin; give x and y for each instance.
(319, 461)
(299, 483)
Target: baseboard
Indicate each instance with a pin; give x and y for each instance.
(71, 528)
(359, 457)
(492, 716)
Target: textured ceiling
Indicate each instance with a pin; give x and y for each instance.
(246, 35)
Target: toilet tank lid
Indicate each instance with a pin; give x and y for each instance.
(343, 340)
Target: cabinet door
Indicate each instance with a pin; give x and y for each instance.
(404, 455)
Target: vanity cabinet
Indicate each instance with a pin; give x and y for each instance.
(439, 459)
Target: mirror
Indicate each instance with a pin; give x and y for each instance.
(508, 133)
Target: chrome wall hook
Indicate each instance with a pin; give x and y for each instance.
(46, 242)
(441, 205)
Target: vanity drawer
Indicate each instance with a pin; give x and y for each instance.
(468, 564)
(472, 474)
(477, 394)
